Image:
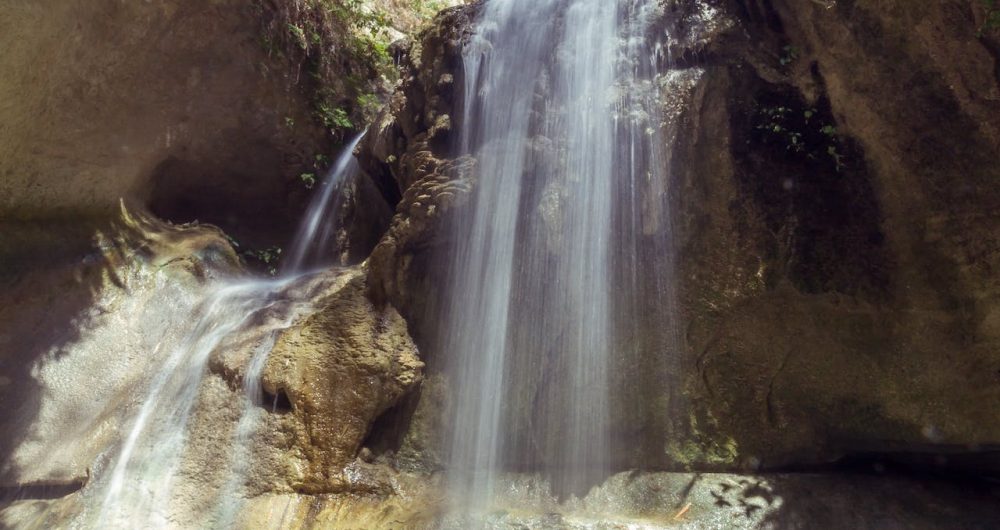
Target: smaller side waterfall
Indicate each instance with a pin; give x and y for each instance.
(140, 483)
(317, 233)
(136, 488)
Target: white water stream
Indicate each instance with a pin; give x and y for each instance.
(550, 245)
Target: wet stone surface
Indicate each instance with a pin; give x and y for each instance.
(625, 501)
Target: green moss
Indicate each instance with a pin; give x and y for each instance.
(339, 53)
(427, 8)
(700, 449)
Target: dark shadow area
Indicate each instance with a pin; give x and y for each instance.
(956, 466)
(11, 494)
(50, 276)
(262, 214)
(813, 188)
(858, 500)
(256, 211)
(870, 491)
(388, 433)
(277, 403)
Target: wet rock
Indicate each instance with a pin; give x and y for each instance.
(660, 500)
(848, 309)
(89, 312)
(652, 500)
(340, 368)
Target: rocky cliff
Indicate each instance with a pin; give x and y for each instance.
(829, 210)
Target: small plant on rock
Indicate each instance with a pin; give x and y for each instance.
(789, 55)
(268, 258)
(308, 179)
(992, 20)
(802, 132)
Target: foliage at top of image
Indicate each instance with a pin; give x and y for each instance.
(340, 50)
(428, 8)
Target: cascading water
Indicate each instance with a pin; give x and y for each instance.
(137, 488)
(551, 237)
(559, 113)
(317, 231)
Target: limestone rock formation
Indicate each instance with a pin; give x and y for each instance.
(173, 103)
(339, 370)
(827, 230)
(406, 154)
(78, 366)
(863, 325)
(176, 108)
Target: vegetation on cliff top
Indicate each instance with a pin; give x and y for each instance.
(336, 53)
(338, 50)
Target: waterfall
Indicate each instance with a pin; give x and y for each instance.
(316, 233)
(136, 487)
(549, 238)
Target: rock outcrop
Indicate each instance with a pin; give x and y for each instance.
(406, 154)
(337, 371)
(863, 323)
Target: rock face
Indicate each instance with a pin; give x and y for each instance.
(701, 500)
(406, 154)
(870, 330)
(83, 330)
(175, 108)
(173, 103)
(338, 371)
(830, 213)
(77, 368)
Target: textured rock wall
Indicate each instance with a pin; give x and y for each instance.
(171, 102)
(178, 108)
(406, 152)
(870, 330)
(340, 369)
